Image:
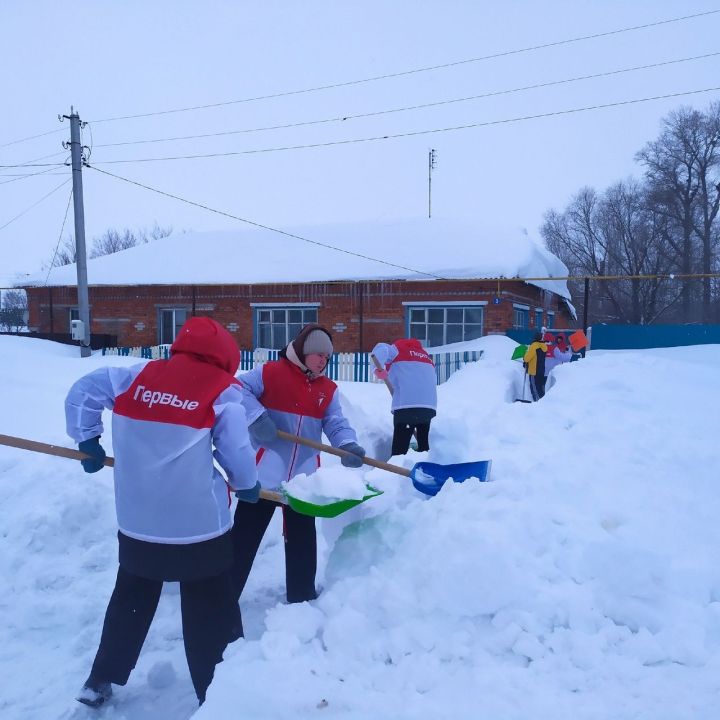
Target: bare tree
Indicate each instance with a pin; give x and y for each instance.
(708, 168)
(65, 253)
(684, 184)
(616, 234)
(13, 310)
(111, 241)
(158, 232)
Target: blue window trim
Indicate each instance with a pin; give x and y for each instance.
(160, 309)
(526, 311)
(538, 316)
(408, 306)
(256, 307)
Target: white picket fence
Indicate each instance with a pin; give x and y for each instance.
(351, 367)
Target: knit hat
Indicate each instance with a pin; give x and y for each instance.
(313, 338)
(317, 342)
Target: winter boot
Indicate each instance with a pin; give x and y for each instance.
(94, 693)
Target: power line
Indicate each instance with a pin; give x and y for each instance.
(264, 227)
(31, 137)
(422, 106)
(26, 175)
(25, 163)
(32, 165)
(403, 73)
(413, 133)
(2, 227)
(62, 228)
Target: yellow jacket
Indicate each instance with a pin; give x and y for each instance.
(530, 358)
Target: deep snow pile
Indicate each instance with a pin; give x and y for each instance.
(581, 583)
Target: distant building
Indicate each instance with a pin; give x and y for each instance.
(433, 283)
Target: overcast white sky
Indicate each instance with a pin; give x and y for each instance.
(118, 59)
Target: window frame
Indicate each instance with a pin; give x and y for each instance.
(521, 311)
(161, 324)
(444, 307)
(289, 326)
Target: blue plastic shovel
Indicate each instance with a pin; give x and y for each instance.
(427, 477)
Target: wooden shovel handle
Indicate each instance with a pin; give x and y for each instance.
(61, 451)
(48, 449)
(397, 469)
(379, 366)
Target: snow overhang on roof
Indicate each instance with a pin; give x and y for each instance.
(393, 250)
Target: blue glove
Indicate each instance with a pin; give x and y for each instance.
(249, 495)
(353, 460)
(93, 448)
(263, 430)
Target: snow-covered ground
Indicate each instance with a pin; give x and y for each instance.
(581, 583)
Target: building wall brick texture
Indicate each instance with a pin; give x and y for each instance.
(371, 311)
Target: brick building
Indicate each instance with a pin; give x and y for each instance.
(432, 282)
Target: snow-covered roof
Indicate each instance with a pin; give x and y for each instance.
(386, 250)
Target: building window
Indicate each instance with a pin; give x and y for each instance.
(275, 327)
(521, 317)
(438, 325)
(551, 320)
(171, 320)
(538, 318)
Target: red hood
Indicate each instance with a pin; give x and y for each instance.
(410, 344)
(209, 341)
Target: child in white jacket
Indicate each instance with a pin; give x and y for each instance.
(410, 373)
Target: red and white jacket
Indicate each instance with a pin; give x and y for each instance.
(299, 405)
(411, 373)
(166, 417)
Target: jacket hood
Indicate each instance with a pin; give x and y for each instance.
(208, 341)
(410, 343)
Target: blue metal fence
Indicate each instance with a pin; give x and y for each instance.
(619, 337)
(635, 337)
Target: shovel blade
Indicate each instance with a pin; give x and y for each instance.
(429, 477)
(329, 510)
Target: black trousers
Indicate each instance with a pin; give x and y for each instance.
(402, 434)
(537, 386)
(210, 618)
(251, 521)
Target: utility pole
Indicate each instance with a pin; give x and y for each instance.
(76, 152)
(431, 167)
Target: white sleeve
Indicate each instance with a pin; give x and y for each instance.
(252, 388)
(335, 425)
(93, 393)
(384, 353)
(233, 450)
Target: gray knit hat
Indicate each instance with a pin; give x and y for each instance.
(317, 342)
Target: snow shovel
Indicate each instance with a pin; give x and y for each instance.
(303, 507)
(426, 477)
(578, 341)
